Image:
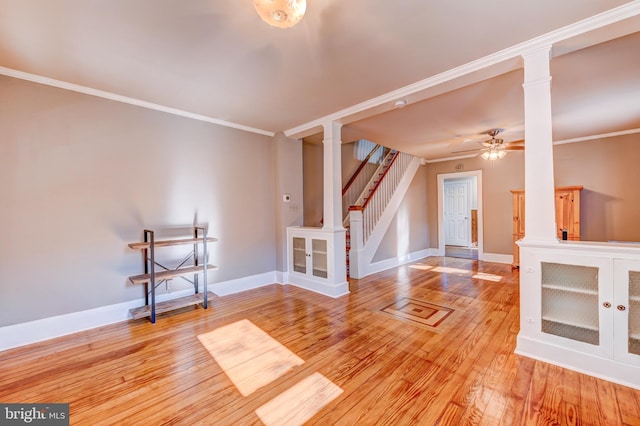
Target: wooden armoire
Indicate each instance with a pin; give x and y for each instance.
(567, 216)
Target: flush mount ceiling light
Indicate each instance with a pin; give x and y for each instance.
(281, 13)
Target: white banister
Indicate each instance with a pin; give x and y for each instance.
(382, 191)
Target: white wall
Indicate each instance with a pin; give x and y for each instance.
(80, 177)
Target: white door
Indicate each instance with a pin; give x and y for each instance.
(456, 213)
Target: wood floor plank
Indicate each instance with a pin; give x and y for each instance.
(389, 371)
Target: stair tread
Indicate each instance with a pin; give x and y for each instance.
(165, 243)
(170, 305)
(164, 275)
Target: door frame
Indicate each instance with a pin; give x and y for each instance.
(441, 178)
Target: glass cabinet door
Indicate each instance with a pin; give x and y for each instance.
(319, 257)
(634, 312)
(626, 311)
(299, 255)
(570, 306)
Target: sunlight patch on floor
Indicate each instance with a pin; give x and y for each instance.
(448, 270)
(487, 277)
(299, 403)
(458, 271)
(421, 267)
(249, 357)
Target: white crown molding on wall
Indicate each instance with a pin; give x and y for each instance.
(125, 99)
(592, 23)
(600, 136)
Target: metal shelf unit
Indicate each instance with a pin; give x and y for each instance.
(152, 278)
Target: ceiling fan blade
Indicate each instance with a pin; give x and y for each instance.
(514, 148)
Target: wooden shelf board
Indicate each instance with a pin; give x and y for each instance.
(164, 275)
(170, 305)
(167, 243)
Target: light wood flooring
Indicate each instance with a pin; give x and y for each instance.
(386, 371)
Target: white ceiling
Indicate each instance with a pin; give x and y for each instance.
(217, 59)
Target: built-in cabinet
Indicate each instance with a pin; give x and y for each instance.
(584, 312)
(310, 251)
(593, 304)
(313, 261)
(567, 205)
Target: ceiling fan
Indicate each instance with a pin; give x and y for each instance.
(496, 148)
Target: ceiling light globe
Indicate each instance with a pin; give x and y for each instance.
(281, 13)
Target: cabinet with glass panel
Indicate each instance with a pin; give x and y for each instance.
(596, 303)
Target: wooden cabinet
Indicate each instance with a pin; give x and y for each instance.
(567, 216)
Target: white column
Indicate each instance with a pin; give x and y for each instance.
(332, 192)
(538, 154)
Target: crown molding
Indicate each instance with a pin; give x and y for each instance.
(595, 22)
(125, 99)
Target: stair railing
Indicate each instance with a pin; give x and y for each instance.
(381, 192)
(357, 182)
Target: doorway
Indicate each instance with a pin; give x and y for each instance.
(460, 215)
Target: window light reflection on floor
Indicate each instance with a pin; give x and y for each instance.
(249, 357)
(252, 359)
(487, 277)
(448, 270)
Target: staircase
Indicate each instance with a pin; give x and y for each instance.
(371, 205)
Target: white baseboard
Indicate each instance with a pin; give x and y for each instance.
(12, 336)
(330, 290)
(383, 265)
(602, 368)
(245, 283)
(497, 258)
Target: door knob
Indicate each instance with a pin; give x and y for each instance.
(606, 304)
(621, 307)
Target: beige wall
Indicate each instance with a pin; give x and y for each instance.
(288, 170)
(313, 161)
(609, 170)
(408, 232)
(80, 177)
(498, 178)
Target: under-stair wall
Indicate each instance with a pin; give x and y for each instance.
(369, 221)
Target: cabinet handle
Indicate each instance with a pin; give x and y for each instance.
(606, 304)
(621, 307)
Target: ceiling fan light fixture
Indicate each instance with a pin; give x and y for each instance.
(281, 13)
(494, 154)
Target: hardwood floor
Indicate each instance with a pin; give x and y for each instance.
(388, 370)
